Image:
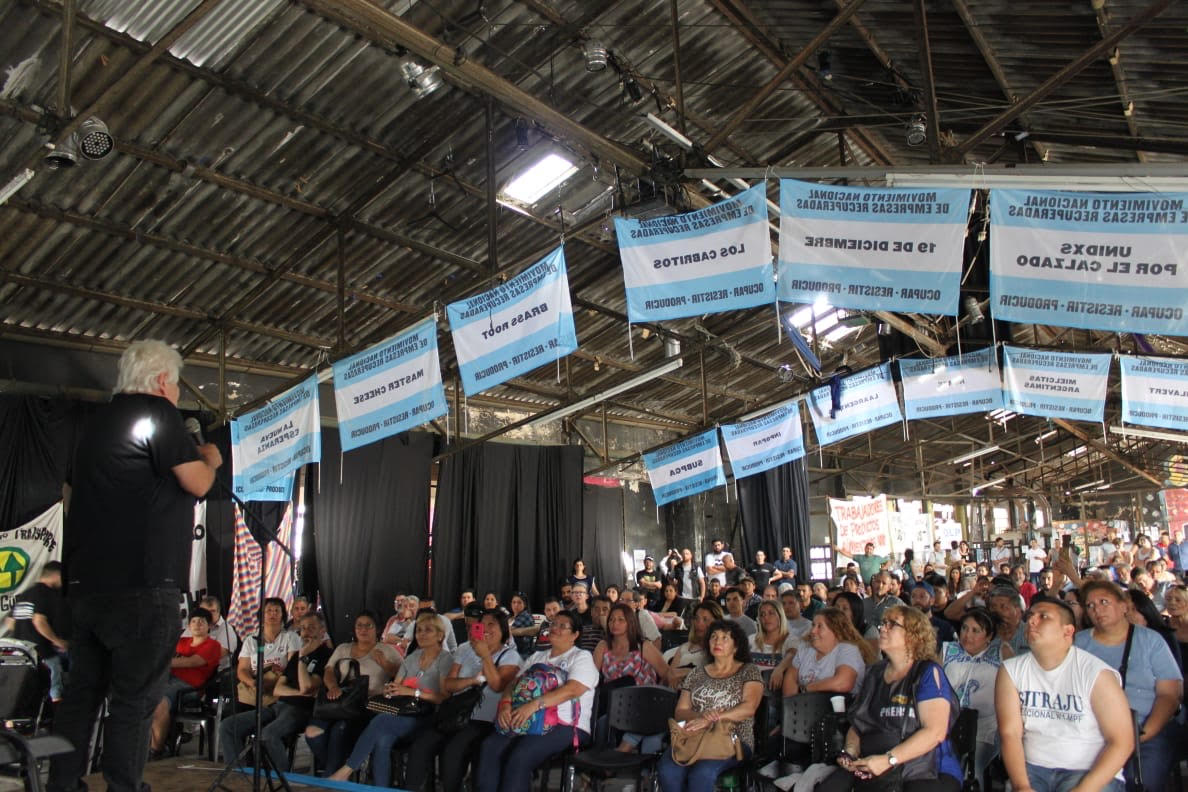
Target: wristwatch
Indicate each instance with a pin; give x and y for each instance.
(891, 760)
(417, 694)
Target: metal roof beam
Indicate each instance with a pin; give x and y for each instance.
(932, 111)
(1085, 438)
(1103, 24)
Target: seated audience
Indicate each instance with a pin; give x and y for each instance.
(507, 759)
(406, 607)
(523, 626)
(484, 661)
(647, 625)
(612, 593)
(195, 659)
(1007, 606)
(727, 689)
(552, 607)
(692, 654)
(419, 676)
(885, 734)
(772, 642)
(1142, 612)
(220, 630)
(834, 661)
(279, 647)
(972, 664)
(595, 631)
(921, 598)
(624, 653)
(734, 612)
(671, 602)
(330, 740)
(1177, 615)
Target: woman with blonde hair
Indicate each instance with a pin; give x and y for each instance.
(834, 661)
(902, 716)
(692, 653)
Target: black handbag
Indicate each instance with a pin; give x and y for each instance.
(409, 706)
(353, 701)
(454, 713)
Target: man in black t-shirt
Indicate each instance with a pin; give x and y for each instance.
(126, 556)
(37, 617)
(649, 582)
(295, 692)
(761, 571)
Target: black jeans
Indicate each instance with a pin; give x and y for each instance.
(456, 752)
(123, 642)
(841, 781)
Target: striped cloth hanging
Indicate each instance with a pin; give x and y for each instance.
(247, 574)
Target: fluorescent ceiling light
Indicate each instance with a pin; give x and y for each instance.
(995, 483)
(1090, 485)
(1050, 433)
(1053, 182)
(974, 454)
(1149, 434)
(614, 390)
(14, 184)
(669, 131)
(534, 183)
(1077, 451)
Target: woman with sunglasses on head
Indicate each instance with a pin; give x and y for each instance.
(902, 716)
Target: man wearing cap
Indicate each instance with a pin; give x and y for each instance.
(1007, 605)
(922, 596)
(648, 582)
(1063, 721)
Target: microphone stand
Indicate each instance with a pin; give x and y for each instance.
(260, 758)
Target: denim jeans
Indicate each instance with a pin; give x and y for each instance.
(506, 763)
(1157, 755)
(697, 777)
(377, 740)
(454, 752)
(122, 644)
(54, 663)
(280, 720)
(329, 748)
(1047, 779)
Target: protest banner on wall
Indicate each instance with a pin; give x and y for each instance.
(951, 385)
(712, 260)
(277, 439)
(24, 550)
(390, 387)
(765, 442)
(872, 248)
(515, 327)
(1094, 260)
(868, 401)
(859, 521)
(910, 526)
(685, 468)
(1155, 391)
(1055, 384)
(274, 491)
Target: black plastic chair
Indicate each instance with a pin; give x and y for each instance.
(802, 714)
(564, 760)
(670, 639)
(964, 738)
(203, 710)
(642, 709)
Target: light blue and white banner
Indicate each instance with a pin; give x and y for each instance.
(277, 439)
(515, 327)
(1155, 391)
(1055, 384)
(389, 388)
(1103, 261)
(685, 468)
(951, 385)
(712, 260)
(765, 442)
(868, 402)
(278, 491)
(872, 248)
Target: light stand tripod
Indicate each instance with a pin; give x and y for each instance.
(262, 764)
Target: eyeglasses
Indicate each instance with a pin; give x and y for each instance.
(560, 628)
(887, 624)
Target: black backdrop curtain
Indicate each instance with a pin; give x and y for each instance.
(371, 531)
(602, 534)
(507, 517)
(37, 439)
(774, 506)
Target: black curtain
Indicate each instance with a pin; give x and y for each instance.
(37, 440)
(370, 524)
(774, 507)
(507, 517)
(602, 534)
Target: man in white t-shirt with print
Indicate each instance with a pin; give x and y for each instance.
(1063, 720)
(715, 569)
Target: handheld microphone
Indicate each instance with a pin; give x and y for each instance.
(194, 429)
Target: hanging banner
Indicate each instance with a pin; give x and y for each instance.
(390, 387)
(1055, 384)
(872, 248)
(951, 385)
(277, 439)
(24, 550)
(1103, 261)
(275, 491)
(868, 402)
(198, 551)
(1155, 391)
(859, 522)
(712, 260)
(765, 442)
(515, 327)
(685, 468)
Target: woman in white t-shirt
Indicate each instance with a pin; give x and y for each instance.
(506, 762)
(1036, 560)
(834, 661)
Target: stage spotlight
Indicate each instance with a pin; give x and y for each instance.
(596, 55)
(94, 141)
(64, 155)
(917, 132)
(785, 373)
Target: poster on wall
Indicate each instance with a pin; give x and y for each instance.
(1155, 391)
(945, 526)
(951, 385)
(390, 387)
(872, 248)
(277, 439)
(515, 327)
(868, 402)
(859, 521)
(1099, 261)
(1175, 509)
(24, 550)
(911, 527)
(766, 442)
(712, 260)
(693, 465)
(1055, 384)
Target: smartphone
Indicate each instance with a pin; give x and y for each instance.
(476, 631)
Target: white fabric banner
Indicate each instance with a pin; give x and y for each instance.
(765, 442)
(868, 402)
(1055, 384)
(198, 550)
(858, 522)
(951, 385)
(1155, 391)
(277, 439)
(390, 387)
(24, 550)
(685, 468)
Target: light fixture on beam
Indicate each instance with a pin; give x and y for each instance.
(1089, 485)
(975, 490)
(15, 184)
(596, 55)
(666, 129)
(917, 131)
(1150, 434)
(614, 390)
(973, 455)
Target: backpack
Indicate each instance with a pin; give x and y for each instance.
(537, 680)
